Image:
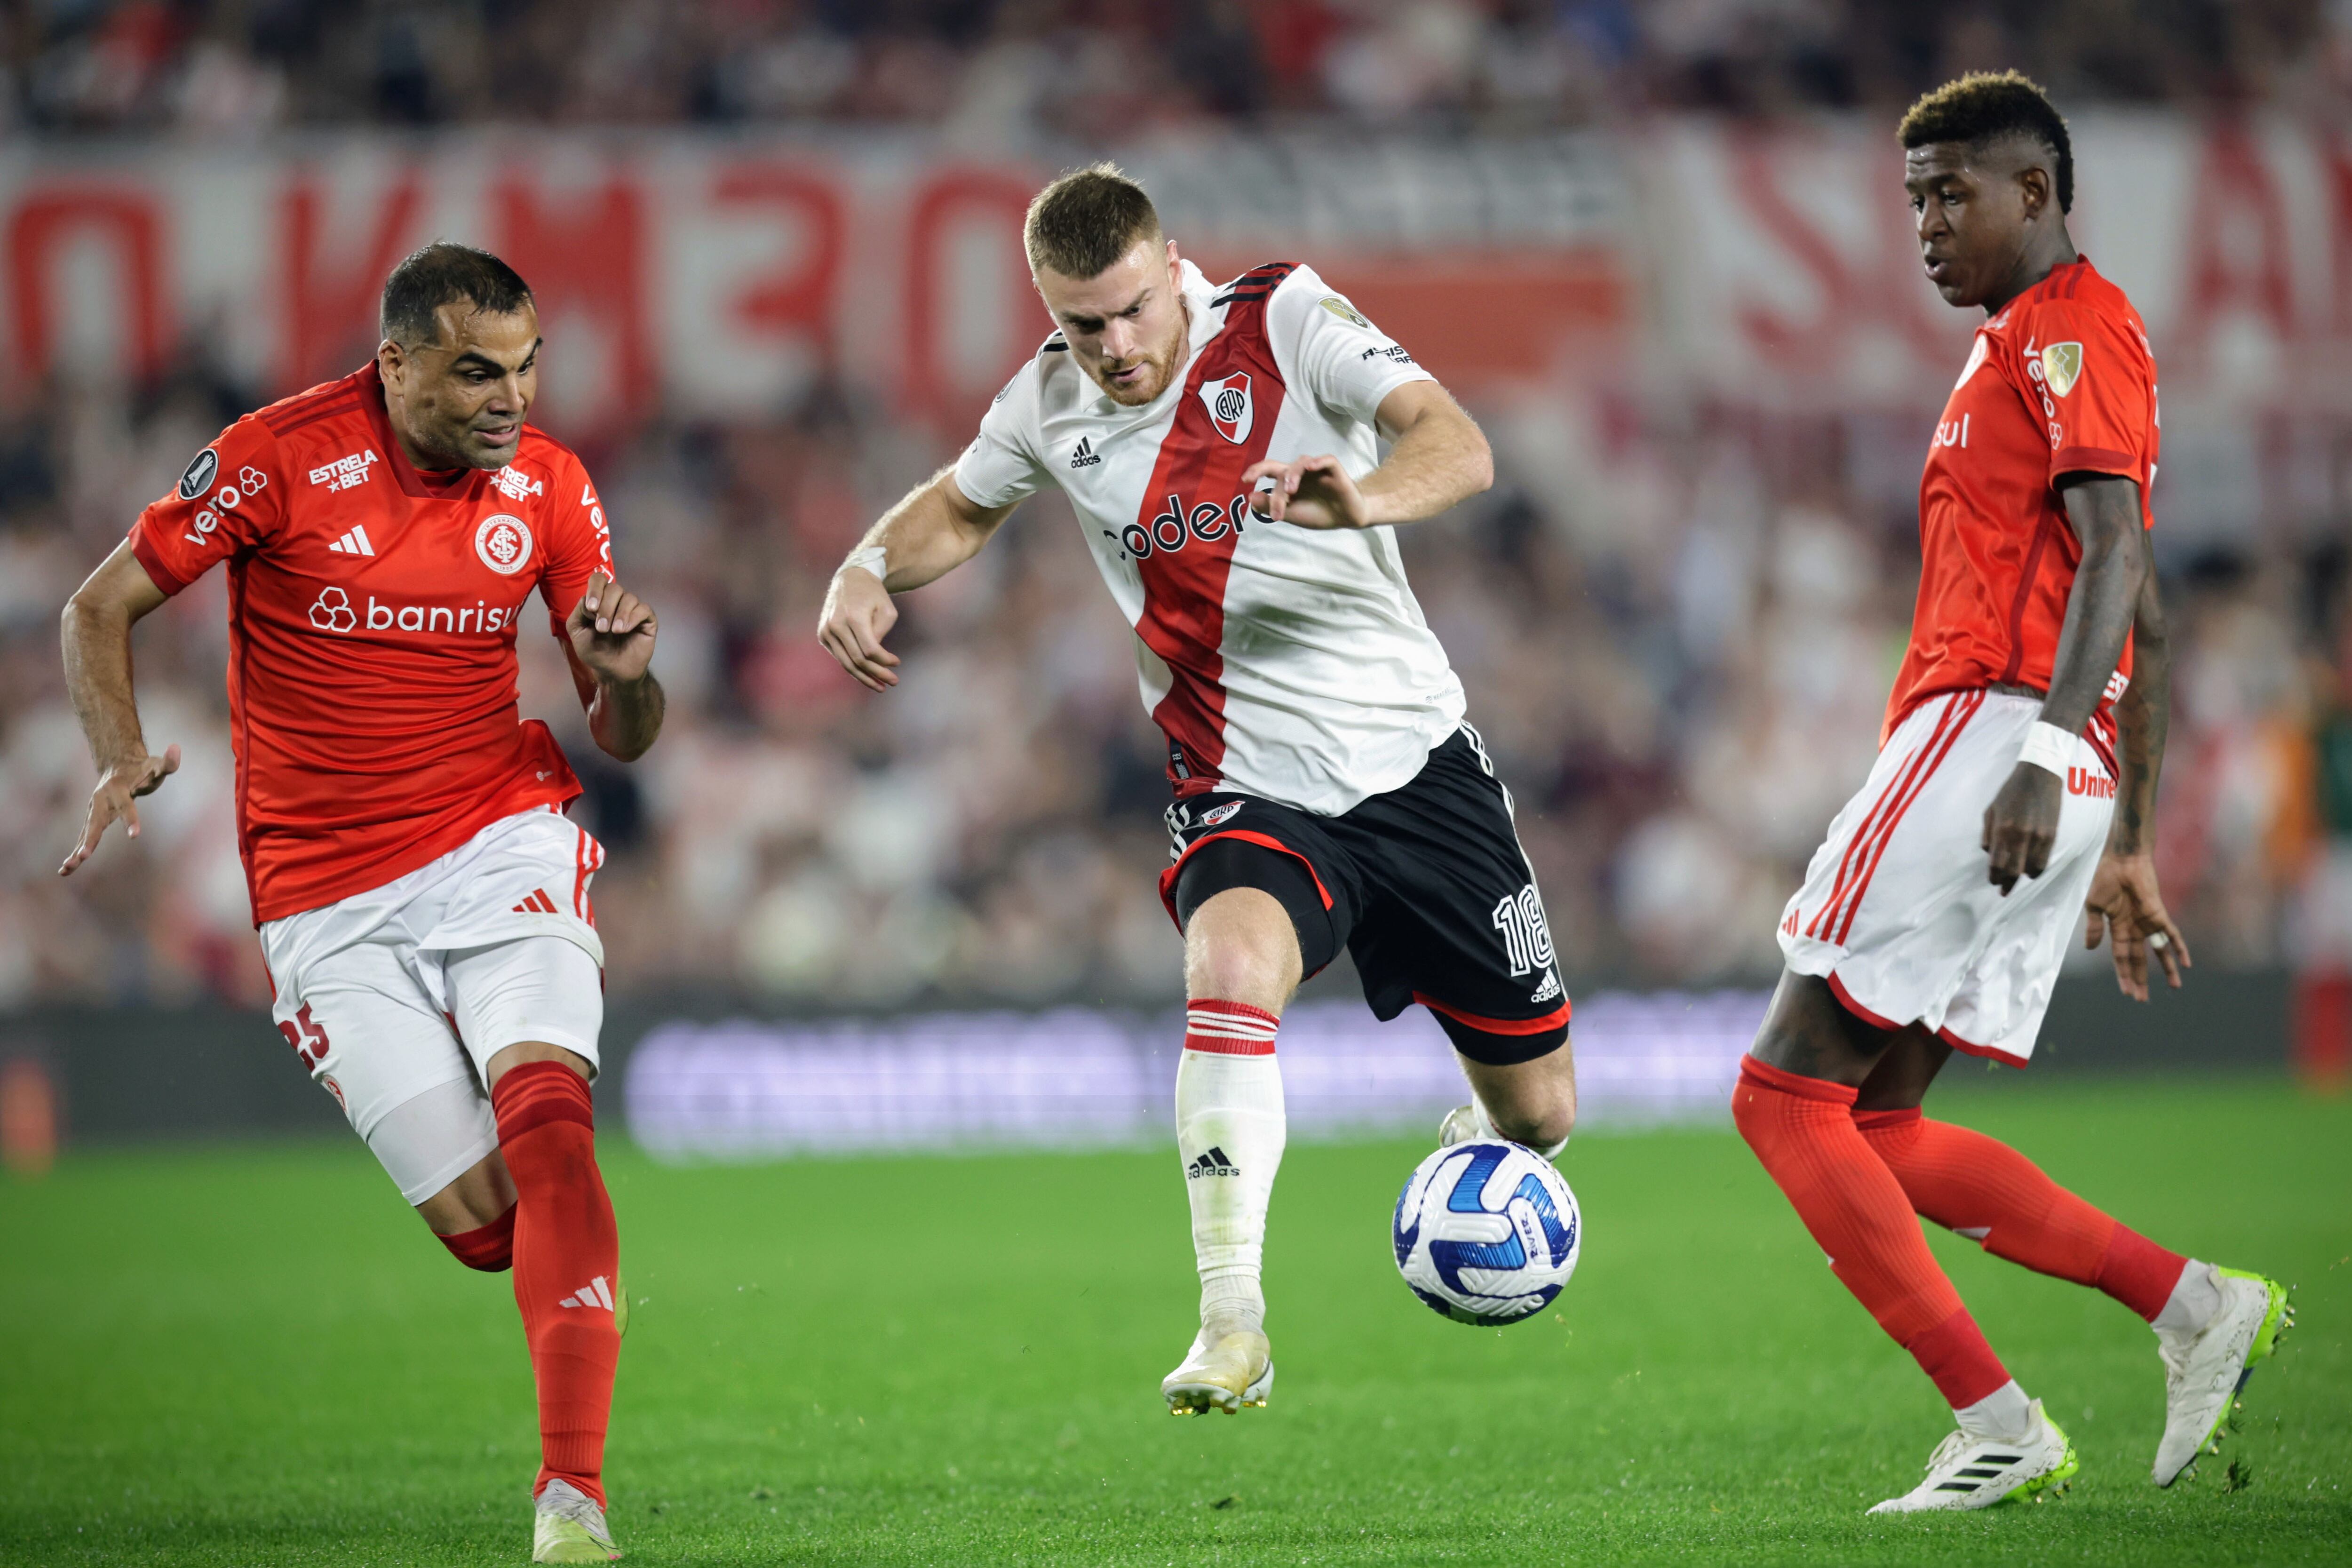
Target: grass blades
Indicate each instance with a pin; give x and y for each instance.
(241, 1355)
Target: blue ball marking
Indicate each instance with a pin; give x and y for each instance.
(1398, 1237)
(1469, 1193)
(1558, 1237)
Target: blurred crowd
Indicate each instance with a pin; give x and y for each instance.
(1109, 69)
(1677, 623)
(1680, 664)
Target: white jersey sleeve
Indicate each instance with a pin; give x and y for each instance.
(1338, 357)
(1001, 467)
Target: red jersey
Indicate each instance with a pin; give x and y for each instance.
(372, 672)
(2061, 381)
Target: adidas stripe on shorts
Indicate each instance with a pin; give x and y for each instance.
(397, 998)
(1896, 913)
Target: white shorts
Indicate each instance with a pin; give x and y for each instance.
(1896, 913)
(397, 998)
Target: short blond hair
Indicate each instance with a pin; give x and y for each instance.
(1087, 220)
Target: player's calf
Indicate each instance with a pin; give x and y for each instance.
(1523, 1088)
(474, 1217)
(488, 1248)
(566, 1262)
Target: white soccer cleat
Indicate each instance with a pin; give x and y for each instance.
(569, 1528)
(2203, 1379)
(1224, 1374)
(1968, 1471)
(1461, 1126)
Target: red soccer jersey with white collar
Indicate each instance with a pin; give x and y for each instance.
(372, 608)
(2061, 381)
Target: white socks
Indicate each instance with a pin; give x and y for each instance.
(2004, 1415)
(2195, 1297)
(1230, 1131)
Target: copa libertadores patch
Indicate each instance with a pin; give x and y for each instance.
(200, 471)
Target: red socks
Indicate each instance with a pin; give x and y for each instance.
(1802, 1130)
(1981, 1188)
(567, 1254)
(490, 1248)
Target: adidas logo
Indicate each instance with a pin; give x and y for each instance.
(1212, 1163)
(1548, 989)
(595, 1293)
(355, 542)
(539, 903)
(1085, 457)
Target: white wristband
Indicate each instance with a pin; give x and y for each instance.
(2049, 748)
(869, 558)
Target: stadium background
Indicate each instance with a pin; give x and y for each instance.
(1658, 249)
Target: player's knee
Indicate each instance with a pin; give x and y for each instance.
(1243, 954)
(1542, 1125)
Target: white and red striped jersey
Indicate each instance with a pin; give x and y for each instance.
(1279, 661)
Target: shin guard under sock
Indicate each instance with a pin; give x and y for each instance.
(567, 1256)
(1981, 1188)
(1802, 1130)
(1230, 1131)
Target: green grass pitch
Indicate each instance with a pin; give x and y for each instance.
(256, 1355)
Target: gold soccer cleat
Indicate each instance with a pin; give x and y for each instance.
(1225, 1374)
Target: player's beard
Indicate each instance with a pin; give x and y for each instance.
(1147, 387)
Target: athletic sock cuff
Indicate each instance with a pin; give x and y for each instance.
(1759, 1075)
(1229, 1028)
(2137, 1272)
(489, 1248)
(536, 1093)
(1954, 1356)
(1886, 1121)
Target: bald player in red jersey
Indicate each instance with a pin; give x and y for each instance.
(423, 904)
(2011, 804)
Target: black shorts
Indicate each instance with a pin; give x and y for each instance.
(1425, 886)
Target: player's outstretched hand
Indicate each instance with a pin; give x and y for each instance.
(1311, 492)
(612, 630)
(858, 613)
(2020, 826)
(116, 794)
(2125, 900)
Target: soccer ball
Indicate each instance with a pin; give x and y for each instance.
(1486, 1232)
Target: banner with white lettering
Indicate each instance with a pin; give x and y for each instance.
(708, 276)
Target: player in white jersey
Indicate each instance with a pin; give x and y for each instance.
(1222, 448)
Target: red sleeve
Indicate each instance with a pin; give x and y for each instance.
(2097, 384)
(579, 541)
(579, 545)
(231, 497)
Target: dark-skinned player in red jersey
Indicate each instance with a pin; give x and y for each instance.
(2012, 803)
(423, 904)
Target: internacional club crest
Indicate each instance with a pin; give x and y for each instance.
(503, 543)
(1230, 409)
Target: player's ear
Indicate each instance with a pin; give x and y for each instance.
(2035, 182)
(390, 360)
